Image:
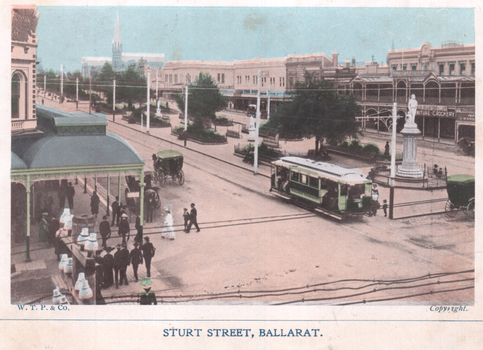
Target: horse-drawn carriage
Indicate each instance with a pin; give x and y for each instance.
(167, 164)
(461, 195)
(132, 192)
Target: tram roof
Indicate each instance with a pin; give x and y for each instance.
(329, 169)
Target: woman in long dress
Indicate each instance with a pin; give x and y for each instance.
(168, 230)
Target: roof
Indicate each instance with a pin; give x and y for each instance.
(169, 154)
(329, 169)
(86, 150)
(17, 162)
(460, 178)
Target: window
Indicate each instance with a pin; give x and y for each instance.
(413, 66)
(166, 78)
(15, 96)
(314, 182)
(462, 67)
(218, 80)
(303, 179)
(295, 176)
(472, 67)
(441, 68)
(404, 66)
(170, 78)
(223, 78)
(451, 68)
(176, 78)
(394, 68)
(280, 84)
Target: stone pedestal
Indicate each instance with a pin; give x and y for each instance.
(409, 166)
(252, 129)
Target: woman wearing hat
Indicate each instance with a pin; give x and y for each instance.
(108, 274)
(168, 230)
(375, 200)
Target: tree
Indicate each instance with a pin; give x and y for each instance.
(204, 99)
(131, 86)
(317, 110)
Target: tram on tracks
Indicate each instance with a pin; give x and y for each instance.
(327, 187)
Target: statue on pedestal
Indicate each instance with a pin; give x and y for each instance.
(158, 110)
(412, 107)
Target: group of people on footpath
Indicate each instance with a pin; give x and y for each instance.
(114, 267)
(375, 205)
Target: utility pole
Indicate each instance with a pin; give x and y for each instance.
(61, 84)
(149, 102)
(114, 101)
(257, 122)
(45, 83)
(90, 92)
(186, 115)
(268, 102)
(77, 93)
(393, 159)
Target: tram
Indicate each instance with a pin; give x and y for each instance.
(333, 189)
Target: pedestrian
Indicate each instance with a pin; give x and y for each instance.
(168, 230)
(43, 227)
(139, 231)
(150, 204)
(125, 262)
(124, 228)
(54, 226)
(136, 257)
(148, 297)
(374, 200)
(386, 149)
(105, 231)
(117, 264)
(193, 218)
(95, 204)
(148, 253)
(123, 210)
(70, 195)
(60, 247)
(115, 211)
(99, 271)
(62, 193)
(186, 217)
(108, 266)
(384, 207)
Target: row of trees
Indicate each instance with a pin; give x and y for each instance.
(317, 110)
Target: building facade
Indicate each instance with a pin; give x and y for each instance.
(23, 68)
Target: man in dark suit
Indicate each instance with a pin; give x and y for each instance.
(136, 256)
(115, 211)
(70, 195)
(193, 219)
(105, 231)
(148, 253)
(121, 262)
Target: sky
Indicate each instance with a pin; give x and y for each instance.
(66, 34)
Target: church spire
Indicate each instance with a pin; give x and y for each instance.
(117, 34)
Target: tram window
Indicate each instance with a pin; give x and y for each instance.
(343, 189)
(295, 176)
(356, 190)
(323, 184)
(314, 182)
(303, 179)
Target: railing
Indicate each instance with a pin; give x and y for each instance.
(17, 125)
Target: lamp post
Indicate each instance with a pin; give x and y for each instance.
(114, 101)
(257, 121)
(77, 93)
(186, 115)
(61, 84)
(268, 103)
(90, 92)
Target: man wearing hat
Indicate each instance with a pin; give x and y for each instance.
(43, 227)
(115, 211)
(70, 195)
(121, 261)
(105, 231)
(193, 220)
(124, 228)
(148, 253)
(136, 257)
(147, 297)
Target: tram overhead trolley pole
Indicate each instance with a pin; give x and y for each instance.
(393, 160)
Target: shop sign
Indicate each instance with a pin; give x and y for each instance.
(466, 116)
(434, 111)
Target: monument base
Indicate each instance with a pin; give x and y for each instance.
(409, 166)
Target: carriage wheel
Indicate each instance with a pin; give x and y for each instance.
(162, 179)
(470, 209)
(450, 209)
(181, 177)
(157, 200)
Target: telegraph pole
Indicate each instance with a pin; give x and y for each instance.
(77, 93)
(114, 101)
(149, 102)
(61, 84)
(393, 160)
(90, 91)
(257, 122)
(268, 103)
(186, 115)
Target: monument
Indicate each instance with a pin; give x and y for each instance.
(409, 166)
(252, 128)
(158, 109)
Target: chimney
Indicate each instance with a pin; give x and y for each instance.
(353, 61)
(334, 59)
(347, 63)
